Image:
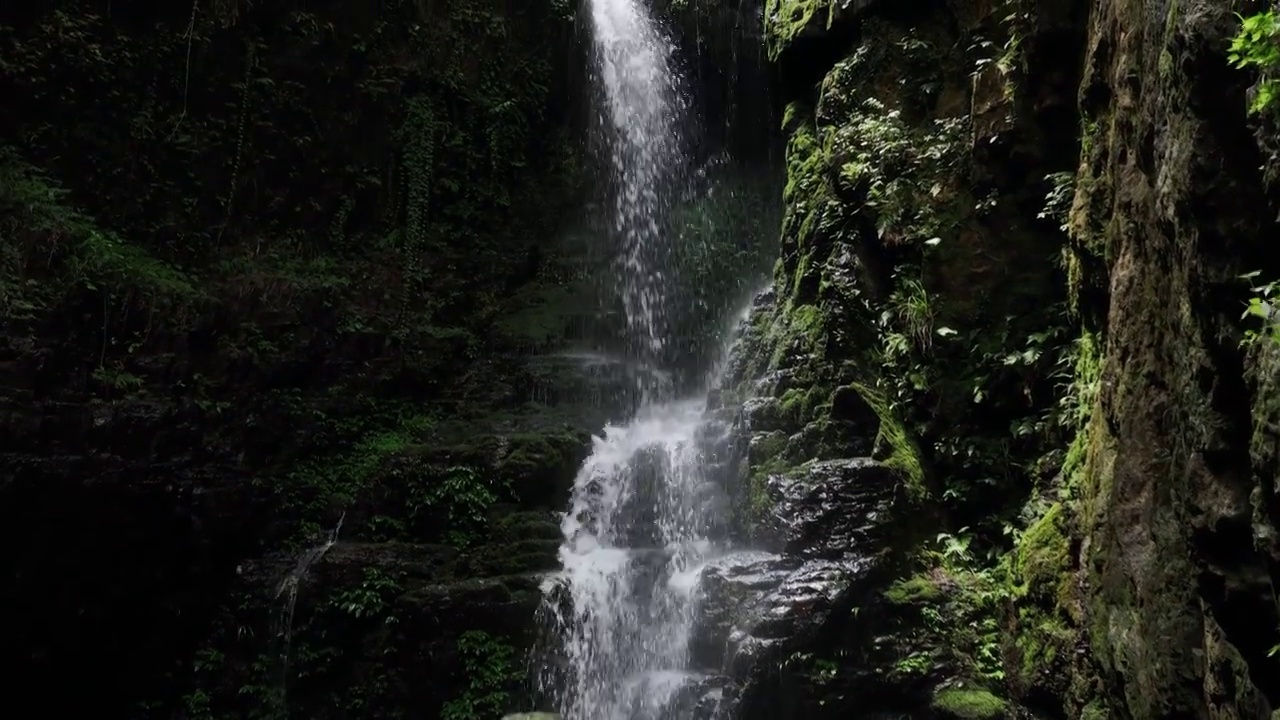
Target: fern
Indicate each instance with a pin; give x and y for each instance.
(36, 218)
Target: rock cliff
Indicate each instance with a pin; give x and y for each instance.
(1017, 239)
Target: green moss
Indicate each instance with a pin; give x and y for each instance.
(800, 405)
(786, 19)
(914, 590)
(759, 503)
(1041, 643)
(806, 194)
(768, 447)
(1041, 585)
(801, 329)
(969, 704)
(904, 454)
(1042, 559)
(538, 464)
(1095, 710)
(1084, 256)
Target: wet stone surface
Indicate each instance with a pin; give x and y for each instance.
(831, 509)
(755, 607)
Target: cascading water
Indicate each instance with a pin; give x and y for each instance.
(642, 115)
(643, 509)
(647, 514)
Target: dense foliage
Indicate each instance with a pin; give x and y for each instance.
(267, 249)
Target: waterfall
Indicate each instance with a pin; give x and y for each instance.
(288, 588)
(647, 514)
(643, 107)
(644, 511)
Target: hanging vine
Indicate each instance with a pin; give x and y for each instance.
(250, 61)
(419, 157)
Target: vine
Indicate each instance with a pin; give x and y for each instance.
(250, 61)
(186, 79)
(419, 156)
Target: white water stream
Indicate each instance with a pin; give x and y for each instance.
(643, 109)
(643, 508)
(646, 515)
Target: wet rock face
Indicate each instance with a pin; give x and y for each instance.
(832, 509)
(1181, 604)
(756, 608)
(790, 615)
(727, 588)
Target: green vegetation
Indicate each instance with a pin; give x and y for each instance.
(726, 240)
(1262, 308)
(953, 608)
(786, 19)
(370, 598)
(1257, 47)
(269, 249)
(489, 666)
(966, 704)
(50, 249)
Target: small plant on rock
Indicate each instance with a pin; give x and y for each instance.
(490, 666)
(370, 598)
(1262, 306)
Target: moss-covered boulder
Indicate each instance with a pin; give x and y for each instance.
(969, 704)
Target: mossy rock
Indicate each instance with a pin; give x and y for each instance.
(512, 527)
(969, 704)
(1095, 710)
(514, 558)
(917, 590)
(541, 466)
(1042, 579)
(764, 447)
(1042, 560)
(786, 20)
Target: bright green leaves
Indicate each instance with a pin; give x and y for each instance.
(785, 20)
(371, 598)
(1262, 306)
(1257, 46)
(490, 668)
(465, 498)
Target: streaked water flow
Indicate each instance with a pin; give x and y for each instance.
(643, 110)
(647, 514)
(643, 511)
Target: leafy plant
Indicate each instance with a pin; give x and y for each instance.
(465, 498)
(1262, 307)
(370, 598)
(117, 379)
(1257, 46)
(35, 215)
(490, 667)
(1057, 203)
